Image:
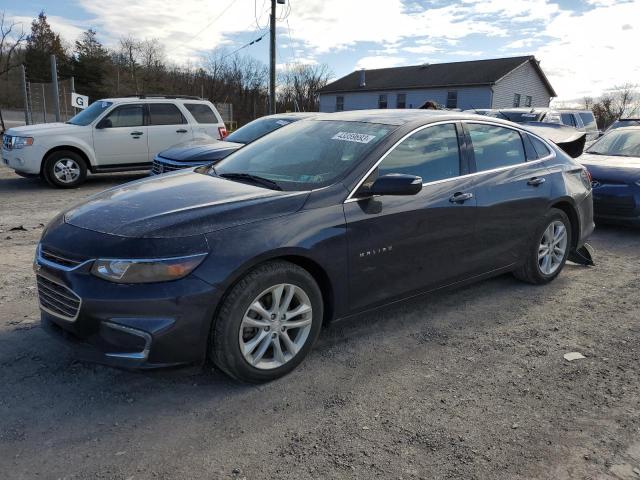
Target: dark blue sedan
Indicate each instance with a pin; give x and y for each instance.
(614, 164)
(242, 263)
(206, 151)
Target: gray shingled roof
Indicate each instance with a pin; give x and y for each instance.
(475, 72)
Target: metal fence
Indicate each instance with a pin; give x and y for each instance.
(40, 101)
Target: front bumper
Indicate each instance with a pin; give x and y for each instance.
(25, 160)
(617, 203)
(133, 326)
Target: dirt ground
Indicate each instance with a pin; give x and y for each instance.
(465, 384)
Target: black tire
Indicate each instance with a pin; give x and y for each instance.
(224, 349)
(530, 271)
(51, 162)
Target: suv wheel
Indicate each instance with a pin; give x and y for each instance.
(549, 250)
(65, 169)
(268, 323)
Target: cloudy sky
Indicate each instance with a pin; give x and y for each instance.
(585, 46)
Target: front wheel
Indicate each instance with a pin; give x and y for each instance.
(65, 169)
(547, 254)
(268, 323)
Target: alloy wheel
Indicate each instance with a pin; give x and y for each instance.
(66, 170)
(553, 247)
(276, 326)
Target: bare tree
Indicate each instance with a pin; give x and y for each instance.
(10, 41)
(130, 50)
(620, 101)
(299, 86)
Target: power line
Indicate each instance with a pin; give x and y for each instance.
(206, 26)
(252, 42)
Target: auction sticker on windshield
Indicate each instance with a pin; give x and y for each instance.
(353, 137)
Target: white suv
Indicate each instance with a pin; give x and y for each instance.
(111, 135)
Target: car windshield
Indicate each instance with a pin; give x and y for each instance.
(621, 143)
(256, 129)
(89, 114)
(517, 117)
(306, 155)
(624, 123)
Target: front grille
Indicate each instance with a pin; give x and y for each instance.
(161, 167)
(59, 259)
(6, 142)
(57, 299)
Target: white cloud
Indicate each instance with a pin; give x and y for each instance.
(379, 61)
(590, 52)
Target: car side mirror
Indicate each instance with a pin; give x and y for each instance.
(396, 184)
(104, 123)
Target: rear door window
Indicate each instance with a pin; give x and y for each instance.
(201, 112)
(165, 114)
(495, 147)
(588, 120)
(431, 153)
(567, 119)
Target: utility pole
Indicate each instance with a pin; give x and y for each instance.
(272, 59)
(23, 78)
(54, 85)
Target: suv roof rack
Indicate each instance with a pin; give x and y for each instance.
(154, 95)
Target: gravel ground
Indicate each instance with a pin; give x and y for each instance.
(464, 384)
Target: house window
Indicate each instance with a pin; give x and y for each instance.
(527, 101)
(339, 104)
(516, 100)
(382, 101)
(452, 99)
(401, 100)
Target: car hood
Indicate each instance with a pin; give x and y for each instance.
(42, 128)
(200, 150)
(180, 204)
(606, 167)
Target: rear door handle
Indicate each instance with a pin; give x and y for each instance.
(182, 130)
(137, 134)
(535, 181)
(460, 197)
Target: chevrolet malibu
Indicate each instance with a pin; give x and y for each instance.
(242, 263)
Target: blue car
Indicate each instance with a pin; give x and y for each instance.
(206, 152)
(614, 164)
(242, 263)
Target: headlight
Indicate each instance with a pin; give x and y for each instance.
(21, 142)
(146, 270)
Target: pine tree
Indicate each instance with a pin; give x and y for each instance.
(41, 44)
(90, 63)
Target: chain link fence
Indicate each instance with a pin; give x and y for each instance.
(41, 101)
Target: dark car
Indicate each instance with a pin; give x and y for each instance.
(614, 163)
(205, 152)
(243, 262)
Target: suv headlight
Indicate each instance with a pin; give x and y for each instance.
(146, 270)
(21, 142)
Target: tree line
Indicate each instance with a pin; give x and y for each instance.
(139, 66)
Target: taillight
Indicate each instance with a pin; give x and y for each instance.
(222, 131)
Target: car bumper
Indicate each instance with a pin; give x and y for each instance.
(587, 225)
(617, 204)
(25, 160)
(131, 326)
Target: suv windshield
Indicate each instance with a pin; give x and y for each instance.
(620, 143)
(89, 114)
(306, 155)
(256, 129)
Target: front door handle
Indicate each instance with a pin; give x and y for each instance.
(182, 130)
(137, 134)
(535, 181)
(460, 197)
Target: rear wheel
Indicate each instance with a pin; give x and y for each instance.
(547, 254)
(268, 323)
(65, 169)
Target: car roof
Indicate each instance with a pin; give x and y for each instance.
(394, 116)
(150, 99)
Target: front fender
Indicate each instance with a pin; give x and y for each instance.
(85, 146)
(317, 235)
